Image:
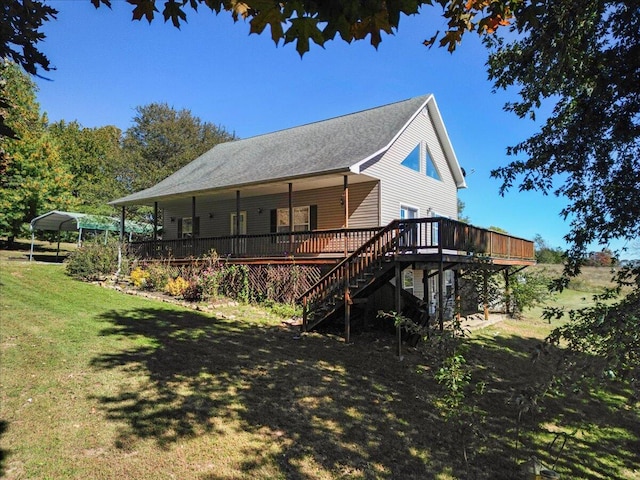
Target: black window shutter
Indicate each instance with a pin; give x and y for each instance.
(180, 228)
(274, 221)
(313, 217)
(196, 227)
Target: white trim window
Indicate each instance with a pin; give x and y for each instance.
(301, 219)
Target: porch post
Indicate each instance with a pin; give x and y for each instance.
(290, 218)
(236, 247)
(345, 196)
(193, 216)
(122, 219)
(155, 221)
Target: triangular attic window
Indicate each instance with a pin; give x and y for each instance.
(413, 159)
(432, 171)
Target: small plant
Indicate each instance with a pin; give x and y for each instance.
(176, 286)
(138, 277)
(157, 276)
(194, 291)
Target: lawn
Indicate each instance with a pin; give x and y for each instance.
(96, 384)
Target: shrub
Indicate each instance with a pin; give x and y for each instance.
(194, 291)
(157, 276)
(138, 277)
(176, 286)
(94, 260)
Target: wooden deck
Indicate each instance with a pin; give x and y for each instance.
(425, 237)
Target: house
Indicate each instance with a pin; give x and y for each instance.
(320, 193)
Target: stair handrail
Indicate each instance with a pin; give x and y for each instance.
(348, 260)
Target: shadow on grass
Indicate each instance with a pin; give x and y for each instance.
(3, 453)
(317, 404)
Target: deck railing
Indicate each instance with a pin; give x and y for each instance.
(420, 235)
(334, 243)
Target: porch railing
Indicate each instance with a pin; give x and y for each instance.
(287, 244)
(420, 235)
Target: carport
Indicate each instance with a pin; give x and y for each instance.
(58, 221)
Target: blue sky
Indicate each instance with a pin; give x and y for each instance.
(106, 65)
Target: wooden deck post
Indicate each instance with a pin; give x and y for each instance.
(441, 294)
(398, 306)
(485, 294)
(304, 314)
(347, 308)
(507, 292)
(456, 294)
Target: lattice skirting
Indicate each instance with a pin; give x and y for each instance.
(282, 283)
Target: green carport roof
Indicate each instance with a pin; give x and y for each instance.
(72, 221)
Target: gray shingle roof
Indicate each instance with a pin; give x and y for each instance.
(326, 146)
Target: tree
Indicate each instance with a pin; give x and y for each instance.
(302, 22)
(21, 21)
(545, 253)
(94, 158)
(34, 178)
(162, 140)
(461, 216)
(582, 59)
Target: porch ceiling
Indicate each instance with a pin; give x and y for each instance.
(271, 188)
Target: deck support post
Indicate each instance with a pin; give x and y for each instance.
(507, 292)
(426, 294)
(485, 294)
(347, 310)
(456, 294)
(304, 314)
(398, 306)
(441, 288)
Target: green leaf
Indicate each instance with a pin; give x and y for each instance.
(267, 13)
(303, 29)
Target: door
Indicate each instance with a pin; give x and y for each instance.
(410, 231)
(239, 244)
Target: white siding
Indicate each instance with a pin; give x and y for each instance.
(400, 185)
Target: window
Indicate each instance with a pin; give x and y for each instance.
(413, 159)
(243, 223)
(432, 171)
(407, 280)
(301, 219)
(188, 227)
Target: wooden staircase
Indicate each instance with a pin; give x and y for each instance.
(358, 275)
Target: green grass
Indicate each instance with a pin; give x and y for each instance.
(96, 384)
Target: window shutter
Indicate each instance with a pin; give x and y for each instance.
(180, 228)
(196, 227)
(313, 217)
(274, 221)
